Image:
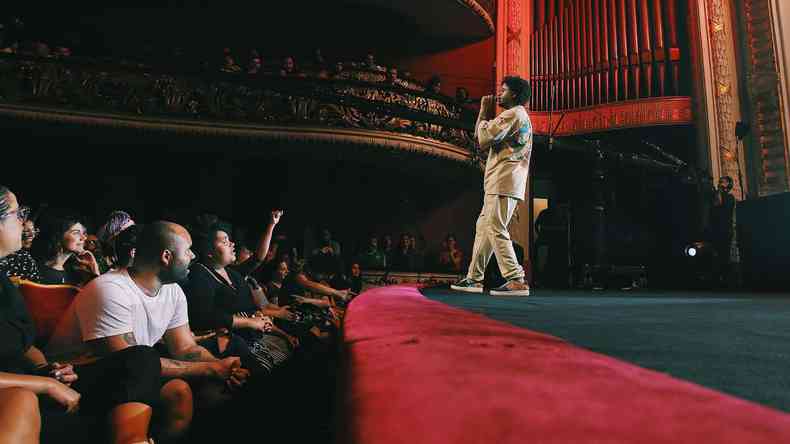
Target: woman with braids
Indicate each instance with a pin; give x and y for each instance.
(46, 401)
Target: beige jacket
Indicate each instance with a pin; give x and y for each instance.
(509, 139)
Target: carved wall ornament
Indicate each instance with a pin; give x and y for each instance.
(614, 116)
(726, 102)
(83, 93)
(486, 15)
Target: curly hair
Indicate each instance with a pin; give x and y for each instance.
(53, 227)
(519, 87)
(203, 237)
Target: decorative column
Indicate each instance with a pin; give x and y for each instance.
(514, 26)
(716, 90)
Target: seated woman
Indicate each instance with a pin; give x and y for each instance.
(63, 258)
(117, 222)
(50, 401)
(450, 257)
(21, 263)
(220, 300)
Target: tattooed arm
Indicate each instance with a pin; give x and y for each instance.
(180, 367)
(192, 360)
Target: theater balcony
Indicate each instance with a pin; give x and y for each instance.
(357, 109)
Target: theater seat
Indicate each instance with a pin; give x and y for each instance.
(46, 305)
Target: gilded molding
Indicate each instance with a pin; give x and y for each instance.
(479, 10)
(619, 115)
(303, 134)
(724, 93)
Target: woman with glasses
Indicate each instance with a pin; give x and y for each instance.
(63, 258)
(21, 264)
(109, 400)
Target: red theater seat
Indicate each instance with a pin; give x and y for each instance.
(46, 304)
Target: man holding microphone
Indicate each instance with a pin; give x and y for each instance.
(508, 137)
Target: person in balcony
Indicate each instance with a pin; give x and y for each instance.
(255, 64)
(508, 138)
(64, 259)
(462, 96)
(370, 63)
(229, 63)
(21, 264)
(338, 72)
(392, 78)
(288, 68)
(434, 85)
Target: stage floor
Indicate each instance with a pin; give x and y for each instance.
(735, 343)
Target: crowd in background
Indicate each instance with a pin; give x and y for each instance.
(13, 40)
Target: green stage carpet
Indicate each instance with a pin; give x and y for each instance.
(735, 343)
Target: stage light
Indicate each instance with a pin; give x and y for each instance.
(696, 249)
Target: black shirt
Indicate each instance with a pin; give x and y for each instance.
(17, 331)
(212, 301)
(20, 264)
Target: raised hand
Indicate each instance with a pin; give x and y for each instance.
(275, 216)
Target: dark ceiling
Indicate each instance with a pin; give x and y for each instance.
(342, 28)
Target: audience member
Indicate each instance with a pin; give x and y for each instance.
(462, 96)
(46, 399)
(117, 222)
(223, 302)
(402, 259)
(370, 63)
(434, 85)
(21, 264)
(372, 258)
(450, 257)
(143, 305)
(64, 259)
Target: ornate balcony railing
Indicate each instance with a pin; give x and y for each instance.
(113, 89)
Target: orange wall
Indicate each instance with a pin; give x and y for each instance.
(470, 66)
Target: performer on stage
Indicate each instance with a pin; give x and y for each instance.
(509, 140)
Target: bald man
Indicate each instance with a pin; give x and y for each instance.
(142, 305)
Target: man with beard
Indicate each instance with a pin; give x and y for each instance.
(141, 305)
(508, 138)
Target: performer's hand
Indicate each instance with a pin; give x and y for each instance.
(487, 102)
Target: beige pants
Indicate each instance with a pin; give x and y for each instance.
(492, 237)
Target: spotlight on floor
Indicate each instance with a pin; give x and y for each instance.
(696, 249)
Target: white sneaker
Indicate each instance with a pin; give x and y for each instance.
(468, 286)
(511, 288)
